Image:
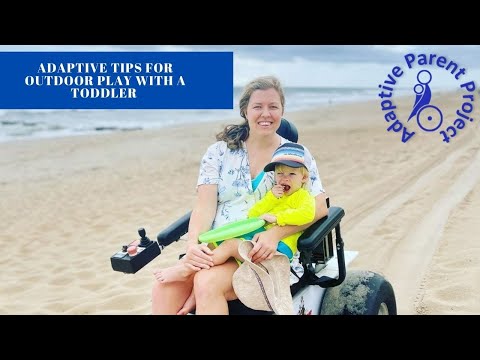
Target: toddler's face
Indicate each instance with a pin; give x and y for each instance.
(290, 178)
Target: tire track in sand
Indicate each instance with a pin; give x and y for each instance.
(419, 246)
(407, 258)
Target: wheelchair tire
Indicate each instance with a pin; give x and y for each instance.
(361, 293)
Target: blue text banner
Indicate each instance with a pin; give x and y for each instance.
(116, 80)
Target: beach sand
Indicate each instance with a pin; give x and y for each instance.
(68, 204)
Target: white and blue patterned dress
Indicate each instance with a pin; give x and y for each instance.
(230, 170)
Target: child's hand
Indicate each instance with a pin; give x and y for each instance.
(269, 218)
(278, 191)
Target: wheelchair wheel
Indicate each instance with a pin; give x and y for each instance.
(362, 293)
(429, 118)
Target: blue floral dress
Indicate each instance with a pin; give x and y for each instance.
(230, 171)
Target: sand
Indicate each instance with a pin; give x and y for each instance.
(68, 204)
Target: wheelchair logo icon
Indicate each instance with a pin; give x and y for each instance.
(429, 117)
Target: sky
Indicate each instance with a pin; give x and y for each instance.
(360, 66)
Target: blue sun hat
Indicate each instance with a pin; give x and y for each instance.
(289, 154)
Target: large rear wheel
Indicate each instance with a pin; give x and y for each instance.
(361, 293)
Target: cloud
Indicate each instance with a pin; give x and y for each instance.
(324, 53)
(304, 65)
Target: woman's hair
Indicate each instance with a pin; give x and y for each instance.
(233, 134)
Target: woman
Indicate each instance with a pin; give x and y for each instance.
(231, 180)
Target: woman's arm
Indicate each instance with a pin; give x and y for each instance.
(201, 219)
(266, 242)
(203, 212)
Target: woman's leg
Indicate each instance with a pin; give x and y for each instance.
(221, 254)
(213, 288)
(169, 298)
(189, 305)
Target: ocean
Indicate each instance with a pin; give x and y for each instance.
(32, 124)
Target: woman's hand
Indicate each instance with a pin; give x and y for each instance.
(198, 257)
(264, 246)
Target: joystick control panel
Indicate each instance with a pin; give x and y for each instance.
(135, 255)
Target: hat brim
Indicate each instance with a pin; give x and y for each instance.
(294, 164)
(264, 286)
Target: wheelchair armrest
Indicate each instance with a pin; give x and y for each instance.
(315, 234)
(174, 231)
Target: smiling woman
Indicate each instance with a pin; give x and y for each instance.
(232, 179)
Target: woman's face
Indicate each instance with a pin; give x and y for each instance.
(264, 111)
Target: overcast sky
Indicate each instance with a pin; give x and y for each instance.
(363, 66)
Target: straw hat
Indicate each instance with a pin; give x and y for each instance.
(265, 285)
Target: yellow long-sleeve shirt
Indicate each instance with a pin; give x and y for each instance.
(296, 209)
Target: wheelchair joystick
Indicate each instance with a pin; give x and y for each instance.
(135, 255)
(144, 240)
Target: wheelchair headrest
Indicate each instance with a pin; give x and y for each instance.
(288, 131)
